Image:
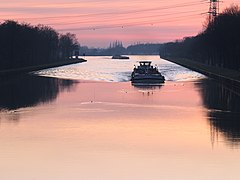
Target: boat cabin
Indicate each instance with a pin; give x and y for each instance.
(145, 63)
(145, 67)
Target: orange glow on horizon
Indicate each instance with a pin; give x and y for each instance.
(105, 21)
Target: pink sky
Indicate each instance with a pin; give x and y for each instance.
(98, 22)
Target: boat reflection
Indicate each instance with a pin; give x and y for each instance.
(29, 90)
(224, 110)
(147, 89)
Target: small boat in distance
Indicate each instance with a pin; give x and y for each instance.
(120, 57)
(146, 74)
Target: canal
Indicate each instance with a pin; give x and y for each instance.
(87, 121)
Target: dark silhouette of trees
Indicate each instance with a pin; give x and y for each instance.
(23, 45)
(218, 45)
(117, 48)
(144, 49)
(27, 90)
(67, 44)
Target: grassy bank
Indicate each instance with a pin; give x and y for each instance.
(230, 77)
(39, 67)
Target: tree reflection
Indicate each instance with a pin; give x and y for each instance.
(28, 90)
(224, 109)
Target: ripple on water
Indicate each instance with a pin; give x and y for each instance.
(105, 69)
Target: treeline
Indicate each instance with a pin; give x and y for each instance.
(150, 49)
(117, 48)
(218, 45)
(23, 45)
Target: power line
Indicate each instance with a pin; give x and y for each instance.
(120, 13)
(128, 25)
(107, 17)
(122, 18)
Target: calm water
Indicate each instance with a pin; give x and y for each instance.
(89, 122)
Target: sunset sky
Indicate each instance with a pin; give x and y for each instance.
(99, 22)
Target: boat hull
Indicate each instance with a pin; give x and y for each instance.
(148, 79)
(120, 57)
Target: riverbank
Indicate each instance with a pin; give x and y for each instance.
(227, 76)
(40, 67)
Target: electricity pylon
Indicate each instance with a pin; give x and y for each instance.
(213, 9)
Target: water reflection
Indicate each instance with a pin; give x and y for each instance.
(147, 89)
(28, 90)
(224, 110)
